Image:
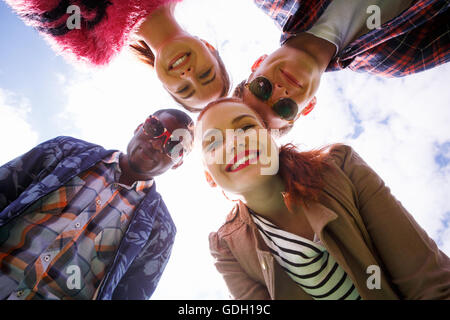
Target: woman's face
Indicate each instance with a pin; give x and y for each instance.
(238, 152)
(189, 70)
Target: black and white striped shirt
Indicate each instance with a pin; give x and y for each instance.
(308, 263)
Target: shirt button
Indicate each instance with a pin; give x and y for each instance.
(98, 202)
(47, 258)
(19, 293)
(346, 50)
(77, 225)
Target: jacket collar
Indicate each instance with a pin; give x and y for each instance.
(317, 214)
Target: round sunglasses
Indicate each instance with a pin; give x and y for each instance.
(154, 129)
(262, 88)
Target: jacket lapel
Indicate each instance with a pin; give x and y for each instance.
(278, 282)
(131, 245)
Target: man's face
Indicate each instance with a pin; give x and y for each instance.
(293, 74)
(148, 156)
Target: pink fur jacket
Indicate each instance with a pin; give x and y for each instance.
(103, 29)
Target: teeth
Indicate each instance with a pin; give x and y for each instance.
(179, 61)
(243, 160)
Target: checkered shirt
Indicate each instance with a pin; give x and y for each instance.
(416, 40)
(73, 231)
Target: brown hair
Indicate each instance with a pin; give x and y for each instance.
(300, 171)
(145, 54)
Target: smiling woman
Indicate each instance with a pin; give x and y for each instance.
(317, 227)
(189, 68)
(194, 76)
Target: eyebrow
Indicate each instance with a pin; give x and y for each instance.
(237, 119)
(193, 91)
(209, 81)
(205, 74)
(183, 89)
(189, 95)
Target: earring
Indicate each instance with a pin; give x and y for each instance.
(209, 46)
(212, 184)
(258, 62)
(310, 106)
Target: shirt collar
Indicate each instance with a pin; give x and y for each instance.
(139, 186)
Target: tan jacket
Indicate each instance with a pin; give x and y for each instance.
(359, 222)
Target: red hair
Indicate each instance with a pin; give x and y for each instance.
(300, 171)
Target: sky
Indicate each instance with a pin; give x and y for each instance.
(399, 126)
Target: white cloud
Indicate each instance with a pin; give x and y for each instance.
(105, 106)
(17, 134)
(403, 120)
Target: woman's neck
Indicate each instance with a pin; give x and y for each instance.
(267, 200)
(160, 26)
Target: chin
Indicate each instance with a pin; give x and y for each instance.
(246, 181)
(141, 169)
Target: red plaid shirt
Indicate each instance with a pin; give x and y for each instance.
(416, 40)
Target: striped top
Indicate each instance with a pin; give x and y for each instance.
(78, 227)
(308, 263)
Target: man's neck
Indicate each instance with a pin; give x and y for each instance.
(160, 26)
(128, 175)
(320, 49)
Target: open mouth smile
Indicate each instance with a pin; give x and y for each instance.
(242, 160)
(179, 61)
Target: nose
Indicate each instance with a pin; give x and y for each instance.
(236, 144)
(188, 73)
(279, 91)
(157, 144)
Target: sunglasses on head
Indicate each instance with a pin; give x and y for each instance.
(155, 130)
(262, 88)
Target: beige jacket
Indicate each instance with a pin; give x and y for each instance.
(359, 222)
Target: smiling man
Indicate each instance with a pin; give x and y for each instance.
(81, 222)
(383, 37)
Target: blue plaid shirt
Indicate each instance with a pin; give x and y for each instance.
(142, 253)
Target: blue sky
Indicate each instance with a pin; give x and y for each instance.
(399, 126)
(28, 66)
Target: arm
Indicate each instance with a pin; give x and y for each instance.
(17, 175)
(239, 283)
(141, 279)
(413, 260)
(92, 31)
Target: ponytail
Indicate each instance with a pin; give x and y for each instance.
(143, 52)
(302, 173)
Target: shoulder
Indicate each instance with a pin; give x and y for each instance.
(339, 153)
(66, 143)
(347, 159)
(232, 224)
(344, 158)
